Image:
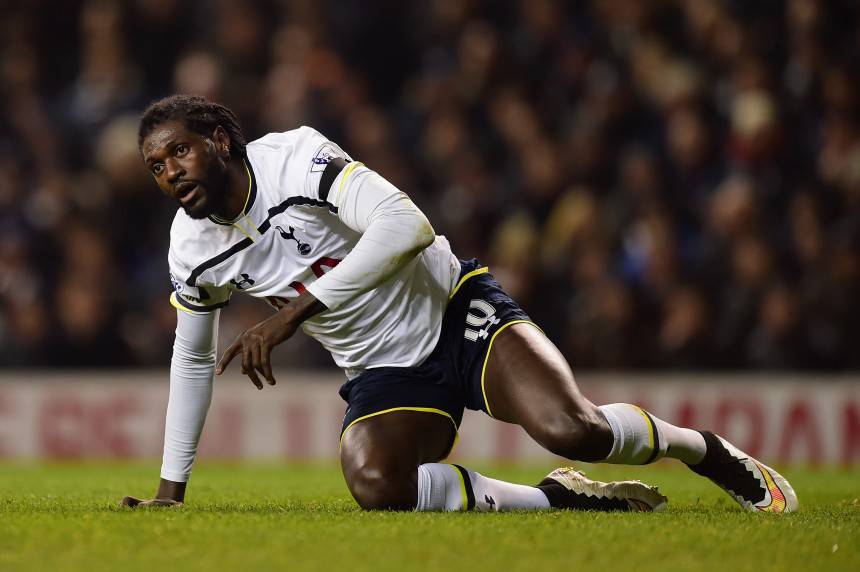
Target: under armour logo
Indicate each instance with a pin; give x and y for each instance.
(240, 284)
(491, 502)
(303, 247)
(484, 315)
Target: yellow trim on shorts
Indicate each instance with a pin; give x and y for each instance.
(487, 356)
(466, 277)
(419, 409)
(463, 494)
(650, 426)
(346, 173)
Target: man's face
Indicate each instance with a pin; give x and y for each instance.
(186, 167)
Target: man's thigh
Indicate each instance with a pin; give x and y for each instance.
(380, 455)
(527, 380)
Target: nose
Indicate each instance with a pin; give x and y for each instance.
(173, 170)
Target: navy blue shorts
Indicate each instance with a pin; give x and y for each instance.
(451, 378)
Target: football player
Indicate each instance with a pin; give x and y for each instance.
(420, 334)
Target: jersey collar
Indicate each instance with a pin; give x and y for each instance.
(249, 200)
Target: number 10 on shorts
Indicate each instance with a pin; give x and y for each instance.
(481, 314)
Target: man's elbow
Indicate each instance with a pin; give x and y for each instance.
(424, 233)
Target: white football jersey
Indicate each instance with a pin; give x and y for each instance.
(287, 237)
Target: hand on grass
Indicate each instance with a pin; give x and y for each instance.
(170, 493)
(134, 502)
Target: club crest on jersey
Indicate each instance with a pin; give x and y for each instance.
(243, 283)
(324, 157)
(303, 247)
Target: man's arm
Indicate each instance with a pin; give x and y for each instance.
(191, 369)
(394, 231)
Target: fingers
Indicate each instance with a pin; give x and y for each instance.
(260, 361)
(266, 362)
(132, 502)
(256, 358)
(160, 502)
(248, 365)
(129, 501)
(228, 355)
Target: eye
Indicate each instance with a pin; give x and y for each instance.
(157, 169)
(182, 149)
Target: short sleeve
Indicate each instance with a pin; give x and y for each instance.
(197, 299)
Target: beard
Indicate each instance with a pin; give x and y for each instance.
(201, 207)
(211, 194)
(197, 215)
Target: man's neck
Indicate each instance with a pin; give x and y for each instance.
(238, 188)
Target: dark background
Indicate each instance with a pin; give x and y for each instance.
(660, 183)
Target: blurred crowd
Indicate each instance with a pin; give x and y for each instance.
(659, 183)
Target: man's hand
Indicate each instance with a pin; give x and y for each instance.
(133, 502)
(170, 493)
(256, 343)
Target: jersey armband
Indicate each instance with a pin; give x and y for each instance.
(332, 170)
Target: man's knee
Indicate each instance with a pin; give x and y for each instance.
(376, 487)
(580, 436)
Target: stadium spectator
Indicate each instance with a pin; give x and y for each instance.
(661, 184)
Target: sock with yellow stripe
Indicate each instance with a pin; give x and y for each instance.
(443, 487)
(641, 438)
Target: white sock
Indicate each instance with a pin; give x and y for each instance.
(641, 438)
(452, 488)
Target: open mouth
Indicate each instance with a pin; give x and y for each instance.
(186, 193)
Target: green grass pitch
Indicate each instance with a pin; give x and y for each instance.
(242, 517)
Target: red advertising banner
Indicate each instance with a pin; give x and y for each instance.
(121, 415)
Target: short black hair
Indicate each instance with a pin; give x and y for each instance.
(197, 114)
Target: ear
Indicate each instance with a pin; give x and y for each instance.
(222, 142)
